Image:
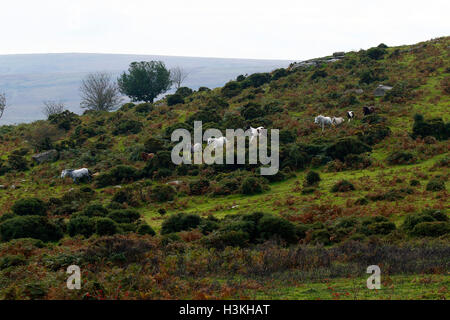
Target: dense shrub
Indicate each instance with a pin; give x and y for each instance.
(154, 144)
(36, 227)
(270, 226)
(94, 210)
(199, 187)
(180, 222)
(251, 111)
(64, 120)
(374, 134)
(105, 227)
(231, 89)
(223, 239)
(256, 80)
(319, 74)
(376, 53)
(433, 127)
(128, 126)
(345, 146)
(205, 115)
(145, 229)
(401, 157)
(17, 162)
(29, 207)
(343, 186)
(163, 193)
(252, 185)
(312, 178)
(436, 184)
(431, 229)
(279, 73)
(184, 91)
(287, 136)
(117, 175)
(81, 225)
(204, 89)
(173, 99)
(124, 216)
(427, 216)
(144, 108)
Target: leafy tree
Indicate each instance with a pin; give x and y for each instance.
(145, 80)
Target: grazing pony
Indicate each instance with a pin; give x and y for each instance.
(337, 121)
(321, 120)
(368, 110)
(255, 132)
(217, 142)
(350, 115)
(147, 156)
(196, 148)
(76, 175)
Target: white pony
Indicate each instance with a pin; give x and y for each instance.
(217, 142)
(255, 132)
(196, 148)
(337, 121)
(76, 175)
(320, 119)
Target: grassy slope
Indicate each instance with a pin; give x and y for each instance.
(302, 99)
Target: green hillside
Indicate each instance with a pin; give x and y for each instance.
(154, 230)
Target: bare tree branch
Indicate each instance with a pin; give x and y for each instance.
(53, 107)
(178, 76)
(99, 92)
(2, 104)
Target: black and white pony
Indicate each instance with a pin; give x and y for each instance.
(322, 121)
(76, 175)
(350, 115)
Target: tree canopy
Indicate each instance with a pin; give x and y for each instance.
(145, 80)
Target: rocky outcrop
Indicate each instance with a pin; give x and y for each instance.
(381, 90)
(48, 156)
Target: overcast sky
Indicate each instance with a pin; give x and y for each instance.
(275, 29)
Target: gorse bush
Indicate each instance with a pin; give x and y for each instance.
(124, 216)
(29, 207)
(163, 193)
(105, 226)
(117, 175)
(36, 227)
(343, 186)
(252, 185)
(173, 99)
(81, 225)
(435, 184)
(180, 222)
(345, 146)
(312, 178)
(145, 229)
(433, 127)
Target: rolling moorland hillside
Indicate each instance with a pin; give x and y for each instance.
(372, 191)
(30, 79)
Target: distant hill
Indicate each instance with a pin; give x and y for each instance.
(29, 79)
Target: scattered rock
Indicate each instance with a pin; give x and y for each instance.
(2, 186)
(175, 183)
(340, 54)
(381, 90)
(235, 206)
(48, 156)
(357, 91)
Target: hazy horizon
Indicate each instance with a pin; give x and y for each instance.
(30, 79)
